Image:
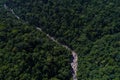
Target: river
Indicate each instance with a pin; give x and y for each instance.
(74, 62)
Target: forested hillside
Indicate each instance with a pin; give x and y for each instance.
(28, 54)
(90, 27)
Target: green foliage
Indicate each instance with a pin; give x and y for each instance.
(28, 54)
(102, 62)
(90, 27)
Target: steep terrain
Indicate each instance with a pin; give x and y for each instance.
(89, 28)
(74, 63)
(28, 54)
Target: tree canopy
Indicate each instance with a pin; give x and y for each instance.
(90, 27)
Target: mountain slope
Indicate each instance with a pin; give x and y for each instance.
(28, 54)
(85, 26)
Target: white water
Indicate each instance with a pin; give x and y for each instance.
(14, 14)
(5, 6)
(74, 63)
(11, 10)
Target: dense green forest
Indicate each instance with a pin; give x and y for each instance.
(27, 54)
(90, 27)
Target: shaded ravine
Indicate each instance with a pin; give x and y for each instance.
(74, 63)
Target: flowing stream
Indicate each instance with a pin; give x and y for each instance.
(74, 63)
(11, 10)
